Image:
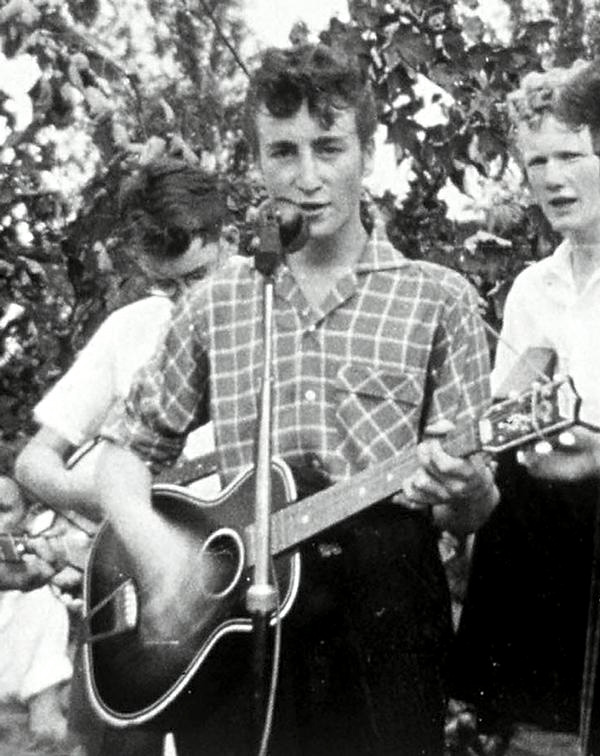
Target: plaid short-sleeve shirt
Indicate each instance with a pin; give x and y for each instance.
(395, 345)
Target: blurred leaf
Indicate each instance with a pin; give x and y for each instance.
(84, 11)
(409, 46)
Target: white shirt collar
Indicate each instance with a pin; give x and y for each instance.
(559, 263)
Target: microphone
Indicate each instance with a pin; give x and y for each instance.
(282, 229)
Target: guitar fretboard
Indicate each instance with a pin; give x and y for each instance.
(304, 519)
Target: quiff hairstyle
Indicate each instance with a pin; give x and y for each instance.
(539, 94)
(168, 202)
(328, 80)
(579, 101)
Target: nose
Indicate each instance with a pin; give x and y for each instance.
(308, 179)
(554, 174)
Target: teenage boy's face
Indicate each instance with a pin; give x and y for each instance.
(564, 176)
(320, 170)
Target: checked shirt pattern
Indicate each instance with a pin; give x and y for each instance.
(395, 345)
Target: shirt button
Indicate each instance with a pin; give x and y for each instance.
(310, 395)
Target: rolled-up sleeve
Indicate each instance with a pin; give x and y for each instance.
(168, 396)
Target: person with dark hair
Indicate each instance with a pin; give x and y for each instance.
(370, 348)
(174, 213)
(522, 636)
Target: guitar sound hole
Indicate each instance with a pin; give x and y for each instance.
(223, 561)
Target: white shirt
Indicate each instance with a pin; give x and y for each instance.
(34, 629)
(78, 404)
(544, 309)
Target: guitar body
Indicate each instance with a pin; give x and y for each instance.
(131, 676)
(140, 656)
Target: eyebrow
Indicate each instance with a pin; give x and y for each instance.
(329, 139)
(279, 143)
(321, 141)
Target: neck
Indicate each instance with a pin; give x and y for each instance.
(338, 252)
(585, 259)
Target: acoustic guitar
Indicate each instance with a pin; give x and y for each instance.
(133, 674)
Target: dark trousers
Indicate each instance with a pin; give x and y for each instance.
(362, 663)
(520, 645)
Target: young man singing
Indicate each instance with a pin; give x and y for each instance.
(522, 637)
(369, 349)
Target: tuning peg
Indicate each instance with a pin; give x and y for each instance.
(543, 447)
(567, 438)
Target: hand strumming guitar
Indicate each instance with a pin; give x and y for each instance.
(461, 492)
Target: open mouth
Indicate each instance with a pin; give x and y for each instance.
(562, 203)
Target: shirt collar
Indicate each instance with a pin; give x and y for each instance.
(379, 254)
(559, 262)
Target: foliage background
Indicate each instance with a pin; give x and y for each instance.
(90, 87)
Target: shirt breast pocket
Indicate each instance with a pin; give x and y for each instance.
(378, 411)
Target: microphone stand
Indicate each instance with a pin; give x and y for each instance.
(261, 597)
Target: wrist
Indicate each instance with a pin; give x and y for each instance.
(464, 517)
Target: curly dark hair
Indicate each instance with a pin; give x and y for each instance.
(328, 79)
(167, 202)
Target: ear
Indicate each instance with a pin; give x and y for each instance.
(368, 156)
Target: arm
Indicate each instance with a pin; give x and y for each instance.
(167, 560)
(461, 492)
(123, 486)
(69, 415)
(520, 331)
(40, 468)
(151, 429)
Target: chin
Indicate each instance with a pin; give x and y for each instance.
(564, 225)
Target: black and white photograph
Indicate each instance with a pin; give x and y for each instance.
(299, 377)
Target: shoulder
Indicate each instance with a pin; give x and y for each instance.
(555, 266)
(217, 298)
(238, 274)
(533, 273)
(438, 282)
(420, 277)
(144, 310)
(125, 334)
(527, 285)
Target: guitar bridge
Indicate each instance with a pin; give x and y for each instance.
(117, 613)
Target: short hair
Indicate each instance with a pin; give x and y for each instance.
(167, 202)
(327, 79)
(579, 100)
(539, 94)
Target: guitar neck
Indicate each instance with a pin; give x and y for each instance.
(303, 520)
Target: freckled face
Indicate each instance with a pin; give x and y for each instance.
(319, 170)
(564, 175)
